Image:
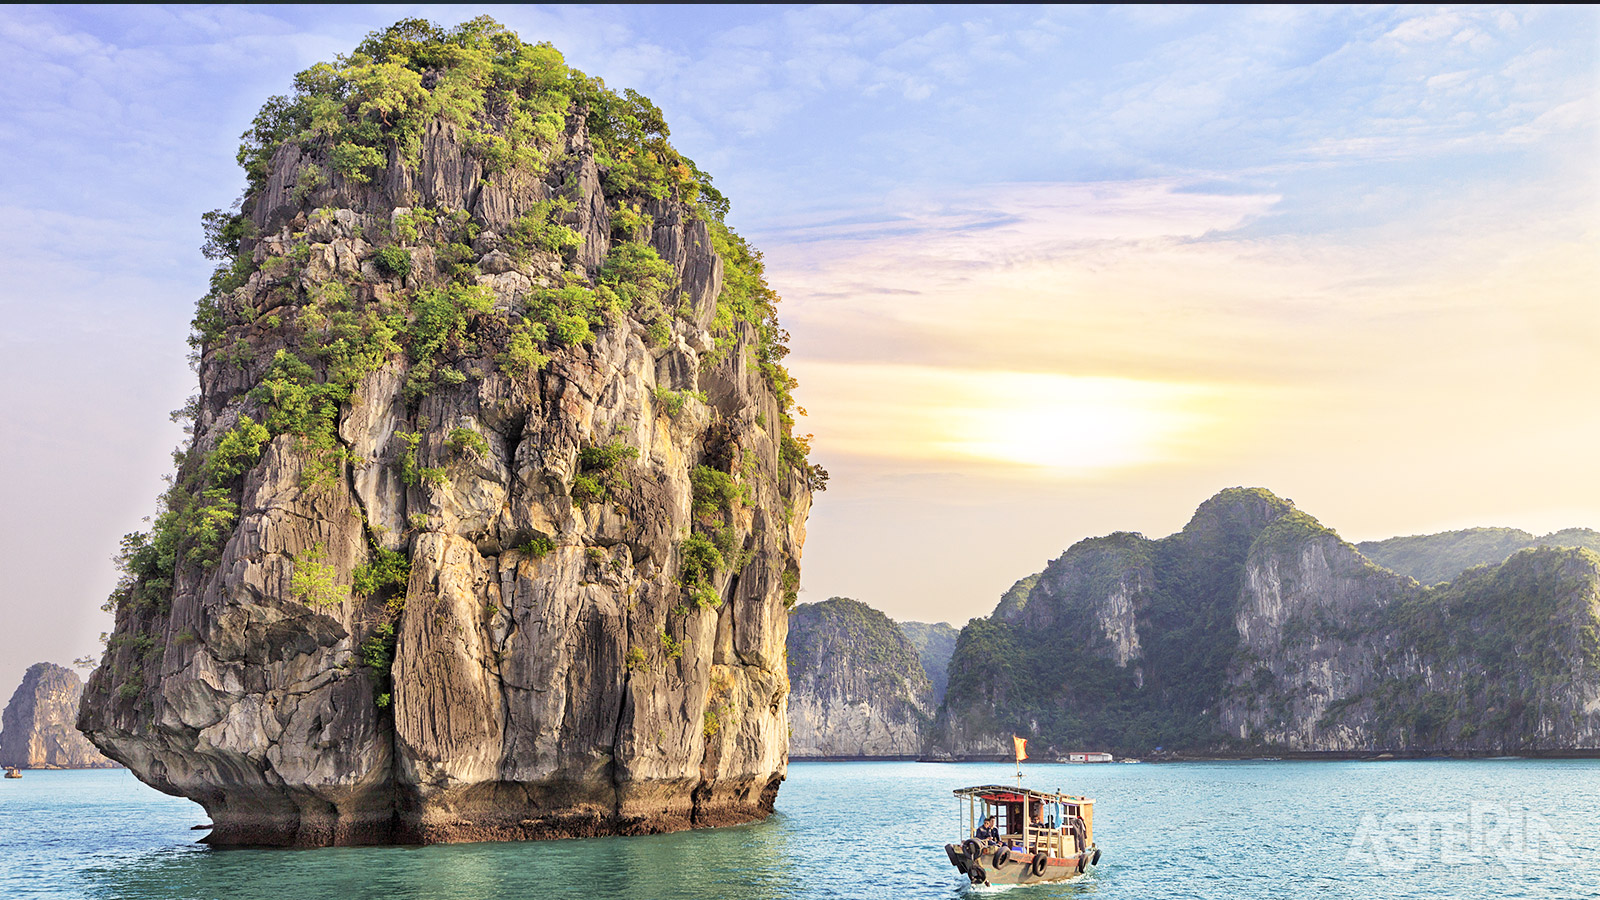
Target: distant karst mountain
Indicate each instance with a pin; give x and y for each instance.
(37, 730)
(934, 642)
(1256, 627)
(1432, 558)
(857, 685)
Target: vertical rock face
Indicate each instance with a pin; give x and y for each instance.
(1313, 629)
(492, 513)
(859, 689)
(1258, 628)
(1342, 655)
(36, 731)
(1102, 587)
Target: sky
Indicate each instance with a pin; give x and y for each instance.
(1048, 272)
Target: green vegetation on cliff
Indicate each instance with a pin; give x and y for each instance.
(511, 103)
(1256, 628)
(1432, 558)
(360, 121)
(1045, 658)
(840, 633)
(857, 686)
(1016, 597)
(1521, 630)
(480, 346)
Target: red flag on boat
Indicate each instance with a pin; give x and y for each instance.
(1022, 747)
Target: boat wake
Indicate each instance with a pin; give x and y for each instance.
(965, 888)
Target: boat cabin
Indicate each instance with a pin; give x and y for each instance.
(1029, 821)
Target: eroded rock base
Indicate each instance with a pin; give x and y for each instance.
(235, 827)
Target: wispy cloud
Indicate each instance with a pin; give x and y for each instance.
(1226, 335)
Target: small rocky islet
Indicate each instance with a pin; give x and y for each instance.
(38, 728)
(860, 683)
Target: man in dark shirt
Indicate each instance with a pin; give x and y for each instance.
(987, 832)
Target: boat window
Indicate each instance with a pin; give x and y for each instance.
(1008, 816)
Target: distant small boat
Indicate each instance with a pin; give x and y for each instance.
(1086, 757)
(12, 772)
(1130, 760)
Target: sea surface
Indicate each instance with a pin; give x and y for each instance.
(1268, 829)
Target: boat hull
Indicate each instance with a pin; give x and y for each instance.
(997, 867)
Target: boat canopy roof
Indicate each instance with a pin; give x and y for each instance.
(1006, 793)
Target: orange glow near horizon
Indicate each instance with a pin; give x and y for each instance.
(986, 398)
(989, 421)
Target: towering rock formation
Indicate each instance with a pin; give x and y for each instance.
(858, 687)
(1258, 628)
(36, 731)
(492, 511)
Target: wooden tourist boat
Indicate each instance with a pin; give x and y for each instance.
(1039, 836)
(12, 772)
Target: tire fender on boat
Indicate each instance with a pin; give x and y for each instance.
(1038, 862)
(956, 859)
(1002, 856)
(977, 875)
(1083, 861)
(1096, 860)
(971, 849)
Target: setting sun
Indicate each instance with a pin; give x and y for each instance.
(1077, 424)
(1070, 424)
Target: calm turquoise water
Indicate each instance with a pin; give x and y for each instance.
(1490, 829)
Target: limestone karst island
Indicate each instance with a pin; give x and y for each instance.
(1254, 630)
(493, 512)
(671, 452)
